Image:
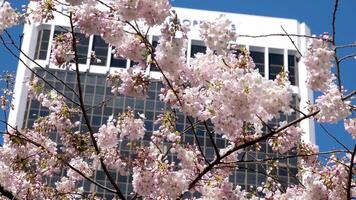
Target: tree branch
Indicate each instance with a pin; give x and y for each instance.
(350, 173)
(295, 46)
(212, 139)
(7, 193)
(347, 57)
(84, 112)
(35, 73)
(333, 41)
(150, 47)
(23, 137)
(333, 137)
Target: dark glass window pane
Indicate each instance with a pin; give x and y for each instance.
(251, 179)
(82, 47)
(154, 44)
(259, 60)
(117, 62)
(291, 69)
(100, 175)
(275, 69)
(42, 44)
(197, 49)
(275, 65)
(275, 59)
(71, 77)
(101, 51)
(132, 63)
(258, 57)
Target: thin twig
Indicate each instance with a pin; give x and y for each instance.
(35, 73)
(349, 181)
(333, 41)
(152, 49)
(85, 116)
(345, 46)
(23, 137)
(347, 57)
(279, 35)
(212, 139)
(295, 46)
(283, 157)
(334, 138)
(36, 63)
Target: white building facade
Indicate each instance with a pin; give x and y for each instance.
(271, 54)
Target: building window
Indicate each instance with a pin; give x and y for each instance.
(153, 67)
(117, 62)
(197, 47)
(101, 51)
(133, 63)
(82, 45)
(292, 69)
(275, 65)
(259, 60)
(42, 44)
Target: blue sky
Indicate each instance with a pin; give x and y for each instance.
(316, 13)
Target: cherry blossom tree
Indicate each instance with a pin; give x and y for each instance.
(222, 91)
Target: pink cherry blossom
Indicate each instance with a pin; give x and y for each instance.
(8, 16)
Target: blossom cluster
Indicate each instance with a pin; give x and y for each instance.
(170, 52)
(350, 126)
(287, 139)
(8, 16)
(152, 12)
(326, 182)
(126, 126)
(331, 105)
(62, 49)
(218, 34)
(219, 88)
(131, 82)
(41, 11)
(238, 88)
(318, 60)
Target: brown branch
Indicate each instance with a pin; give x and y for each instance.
(283, 157)
(350, 173)
(279, 35)
(295, 46)
(333, 24)
(333, 41)
(212, 139)
(347, 57)
(333, 137)
(247, 144)
(150, 47)
(349, 95)
(345, 46)
(250, 143)
(84, 113)
(100, 104)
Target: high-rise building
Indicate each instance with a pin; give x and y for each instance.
(271, 55)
